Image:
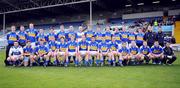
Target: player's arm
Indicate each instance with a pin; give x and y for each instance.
(32, 51)
(37, 38)
(129, 52)
(46, 38)
(36, 51)
(152, 49)
(57, 47)
(99, 48)
(77, 48)
(150, 52)
(47, 51)
(141, 50)
(88, 49)
(108, 49)
(67, 46)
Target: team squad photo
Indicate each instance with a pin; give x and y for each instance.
(32, 47)
(89, 43)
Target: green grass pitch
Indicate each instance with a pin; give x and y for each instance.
(148, 76)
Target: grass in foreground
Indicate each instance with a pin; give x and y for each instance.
(149, 76)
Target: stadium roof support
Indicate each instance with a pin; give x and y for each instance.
(4, 23)
(90, 14)
(5, 1)
(59, 3)
(49, 6)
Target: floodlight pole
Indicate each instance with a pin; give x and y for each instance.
(4, 23)
(90, 24)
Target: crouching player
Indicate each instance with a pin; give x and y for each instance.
(83, 51)
(169, 56)
(145, 52)
(15, 54)
(134, 54)
(104, 51)
(28, 54)
(123, 54)
(53, 52)
(113, 51)
(93, 52)
(157, 53)
(62, 51)
(41, 52)
(72, 51)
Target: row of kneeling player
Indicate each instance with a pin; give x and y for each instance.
(89, 53)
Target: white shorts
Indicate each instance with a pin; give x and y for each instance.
(93, 53)
(114, 52)
(61, 53)
(104, 53)
(26, 59)
(72, 53)
(79, 39)
(17, 57)
(82, 52)
(52, 53)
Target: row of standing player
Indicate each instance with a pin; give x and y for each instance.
(33, 35)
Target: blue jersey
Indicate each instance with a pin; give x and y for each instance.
(99, 37)
(117, 36)
(28, 49)
(156, 49)
(108, 36)
(69, 34)
(83, 46)
(134, 50)
(51, 36)
(62, 47)
(11, 37)
(41, 49)
(88, 35)
(124, 51)
(61, 34)
(145, 50)
(22, 37)
(132, 37)
(139, 38)
(93, 46)
(32, 33)
(72, 46)
(114, 46)
(104, 46)
(52, 45)
(41, 36)
(124, 36)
